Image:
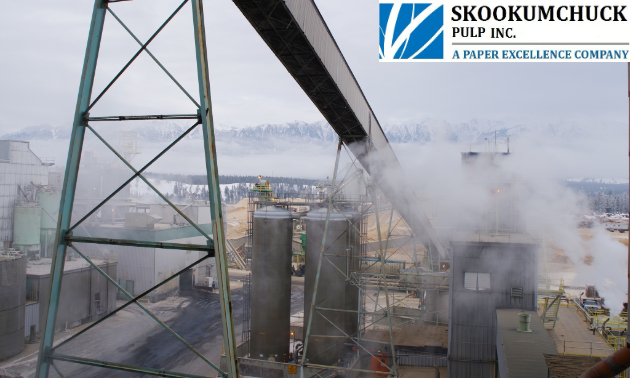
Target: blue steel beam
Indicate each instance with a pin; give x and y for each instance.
(69, 185)
(122, 367)
(147, 244)
(144, 117)
(229, 338)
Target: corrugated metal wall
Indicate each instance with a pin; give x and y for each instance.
(472, 322)
(31, 318)
(78, 300)
(137, 265)
(22, 168)
(167, 263)
(421, 360)
(147, 267)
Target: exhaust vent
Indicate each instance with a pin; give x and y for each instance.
(524, 320)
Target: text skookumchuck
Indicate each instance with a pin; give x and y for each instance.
(553, 13)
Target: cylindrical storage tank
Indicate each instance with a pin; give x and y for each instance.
(271, 284)
(26, 228)
(12, 300)
(341, 253)
(49, 201)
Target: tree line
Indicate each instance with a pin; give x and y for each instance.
(227, 179)
(231, 195)
(607, 202)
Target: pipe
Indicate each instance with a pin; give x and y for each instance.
(610, 366)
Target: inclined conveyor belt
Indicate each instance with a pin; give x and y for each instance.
(296, 32)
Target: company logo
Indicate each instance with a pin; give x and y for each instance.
(410, 31)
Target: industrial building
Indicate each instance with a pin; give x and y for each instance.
(85, 297)
(495, 273)
(141, 268)
(32, 193)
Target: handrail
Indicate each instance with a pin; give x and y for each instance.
(590, 348)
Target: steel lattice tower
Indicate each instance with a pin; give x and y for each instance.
(64, 239)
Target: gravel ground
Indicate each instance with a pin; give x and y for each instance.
(132, 337)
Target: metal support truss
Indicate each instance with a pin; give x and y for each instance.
(321, 256)
(382, 282)
(351, 279)
(64, 239)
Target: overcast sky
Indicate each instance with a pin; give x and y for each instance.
(43, 43)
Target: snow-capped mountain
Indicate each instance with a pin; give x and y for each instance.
(41, 132)
(320, 133)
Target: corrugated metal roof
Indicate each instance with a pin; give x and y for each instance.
(521, 353)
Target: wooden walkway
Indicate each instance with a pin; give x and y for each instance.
(573, 336)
